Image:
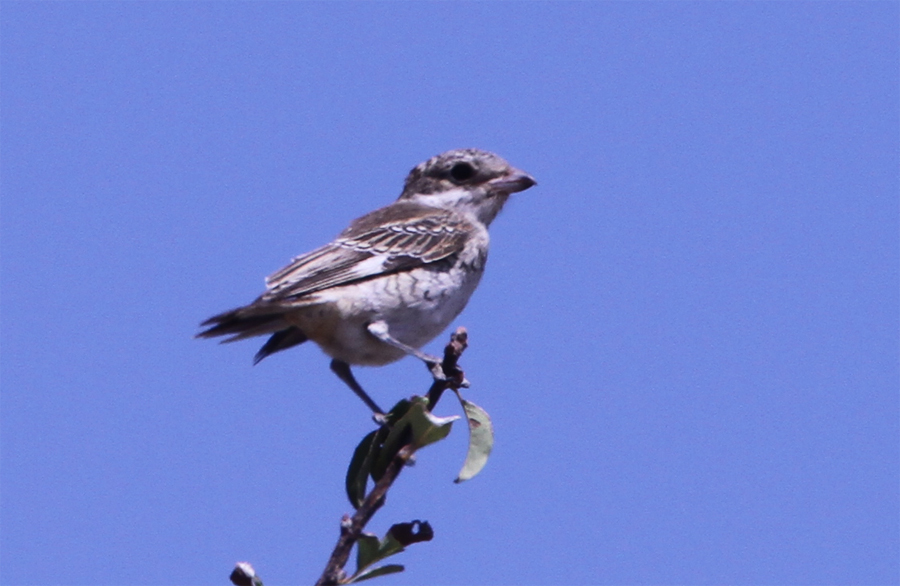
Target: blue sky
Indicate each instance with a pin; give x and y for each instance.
(687, 335)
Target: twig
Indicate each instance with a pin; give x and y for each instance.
(352, 527)
(459, 341)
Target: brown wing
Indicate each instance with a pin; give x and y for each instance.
(395, 238)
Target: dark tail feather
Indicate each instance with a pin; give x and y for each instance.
(252, 321)
(239, 327)
(280, 341)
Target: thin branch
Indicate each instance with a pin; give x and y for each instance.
(352, 527)
(459, 341)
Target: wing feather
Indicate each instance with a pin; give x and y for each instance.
(399, 237)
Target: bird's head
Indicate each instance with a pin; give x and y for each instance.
(470, 181)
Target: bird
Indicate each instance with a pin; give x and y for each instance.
(391, 281)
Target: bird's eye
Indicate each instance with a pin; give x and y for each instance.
(461, 172)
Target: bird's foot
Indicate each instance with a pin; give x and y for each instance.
(434, 367)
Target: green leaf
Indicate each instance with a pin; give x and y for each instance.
(388, 547)
(427, 428)
(389, 442)
(418, 427)
(380, 571)
(398, 411)
(397, 437)
(370, 550)
(367, 553)
(360, 467)
(481, 440)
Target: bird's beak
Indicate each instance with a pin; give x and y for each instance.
(514, 181)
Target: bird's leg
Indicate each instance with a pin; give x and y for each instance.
(379, 329)
(342, 369)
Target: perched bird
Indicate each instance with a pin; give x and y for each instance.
(394, 279)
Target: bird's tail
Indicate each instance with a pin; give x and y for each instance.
(248, 322)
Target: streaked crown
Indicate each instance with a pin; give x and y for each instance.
(470, 180)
